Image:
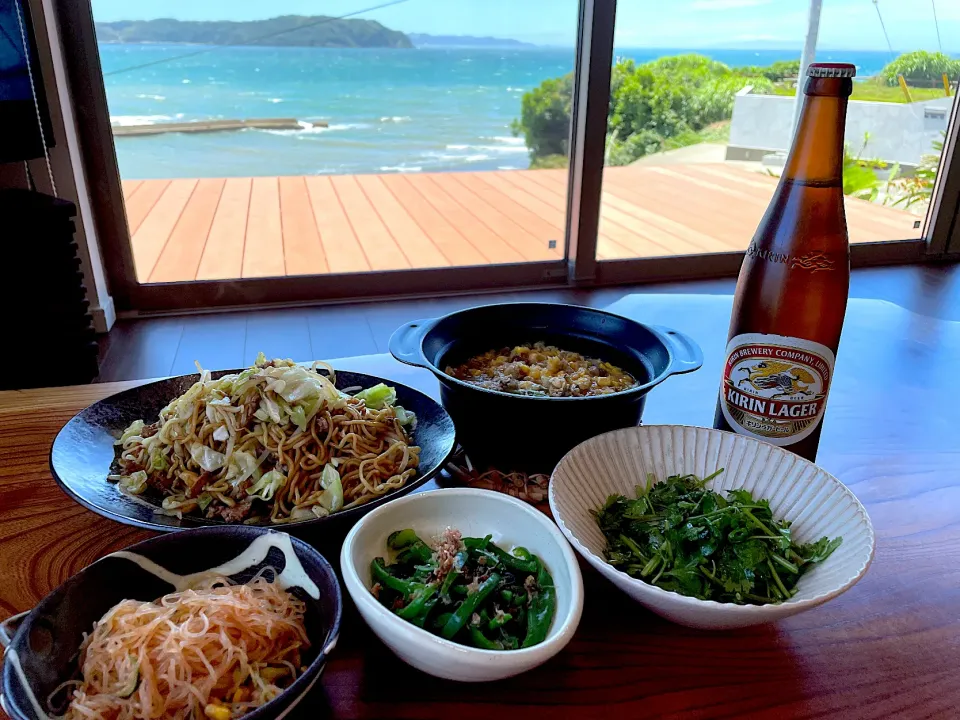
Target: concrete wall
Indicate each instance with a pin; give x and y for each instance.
(899, 132)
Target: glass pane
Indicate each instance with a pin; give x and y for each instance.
(380, 142)
(702, 114)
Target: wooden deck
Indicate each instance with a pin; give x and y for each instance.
(268, 226)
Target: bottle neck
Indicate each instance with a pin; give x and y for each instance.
(817, 153)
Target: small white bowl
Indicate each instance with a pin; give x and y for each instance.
(475, 513)
(817, 503)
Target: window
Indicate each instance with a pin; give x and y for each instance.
(471, 146)
(298, 146)
(703, 106)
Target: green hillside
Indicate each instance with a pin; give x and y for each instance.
(286, 31)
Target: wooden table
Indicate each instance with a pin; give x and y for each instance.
(888, 648)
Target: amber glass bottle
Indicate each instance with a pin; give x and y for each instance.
(792, 293)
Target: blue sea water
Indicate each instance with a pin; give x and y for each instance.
(386, 110)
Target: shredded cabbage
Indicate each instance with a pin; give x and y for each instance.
(136, 427)
(332, 497)
(206, 457)
(405, 417)
(158, 462)
(378, 397)
(266, 487)
(135, 483)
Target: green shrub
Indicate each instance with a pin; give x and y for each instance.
(548, 162)
(921, 68)
(649, 104)
(545, 117)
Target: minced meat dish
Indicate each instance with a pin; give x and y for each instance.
(541, 369)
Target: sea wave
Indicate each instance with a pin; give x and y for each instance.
(396, 119)
(151, 97)
(400, 168)
(507, 140)
(496, 149)
(449, 157)
(307, 128)
(275, 101)
(124, 120)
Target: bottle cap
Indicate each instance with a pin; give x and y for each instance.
(831, 70)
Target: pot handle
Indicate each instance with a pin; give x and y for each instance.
(9, 627)
(405, 343)
(685, 354)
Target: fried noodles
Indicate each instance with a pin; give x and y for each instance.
(277, 443)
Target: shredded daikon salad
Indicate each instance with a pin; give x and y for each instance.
(217, 651)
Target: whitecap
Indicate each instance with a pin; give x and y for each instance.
(396, 119)
(307, 128)
(400, 168)
(508, 140)
(275, 100)
(458, 147)
(507, 167)
(151, 97)
(185, 81)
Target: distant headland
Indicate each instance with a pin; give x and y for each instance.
(287, 31)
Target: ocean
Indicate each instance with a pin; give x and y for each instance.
(386, 110)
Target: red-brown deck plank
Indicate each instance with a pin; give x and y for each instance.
(732, 223)
(152, 235)
(498, 219)
(616, 214)
(411, 238)
(302, 250)
(343, 252)
(263, 251)
(454, 246)
(490, 245)
(222, 256)
(535, 225)
(873, 222)
(378, 244)
(142, 203)
(130, 187)
(241, 227)
(181, 255)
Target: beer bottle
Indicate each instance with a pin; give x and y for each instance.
(792, 291)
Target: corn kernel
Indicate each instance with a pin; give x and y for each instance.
(217, 712)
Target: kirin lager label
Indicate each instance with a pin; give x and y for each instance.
(774, 387)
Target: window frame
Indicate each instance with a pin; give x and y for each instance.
(579, 267)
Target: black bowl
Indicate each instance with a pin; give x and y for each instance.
(43, 652)
(84, 450)
(518, 432)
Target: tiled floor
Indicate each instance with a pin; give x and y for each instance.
(157, 347)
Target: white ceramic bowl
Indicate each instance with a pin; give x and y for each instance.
(816, 502)
(475, 513)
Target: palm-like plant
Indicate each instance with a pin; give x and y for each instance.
(918, 188)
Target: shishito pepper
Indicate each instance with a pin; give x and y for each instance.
(469, 591)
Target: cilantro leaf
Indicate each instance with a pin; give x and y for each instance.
(683, 537)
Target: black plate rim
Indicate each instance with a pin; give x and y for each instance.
(191, 523)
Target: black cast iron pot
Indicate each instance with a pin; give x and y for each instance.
(518, 432)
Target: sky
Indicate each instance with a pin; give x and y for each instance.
(693, 24)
